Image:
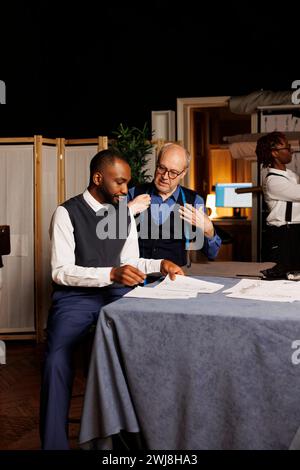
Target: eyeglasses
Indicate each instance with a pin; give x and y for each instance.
(283, 148)
(172, 174)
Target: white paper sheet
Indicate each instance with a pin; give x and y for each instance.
(189, 284)
(273, 291)
(154, 293)
(183, 287)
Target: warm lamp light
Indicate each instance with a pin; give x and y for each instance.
(211, 204)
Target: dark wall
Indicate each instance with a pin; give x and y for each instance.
(80, 70)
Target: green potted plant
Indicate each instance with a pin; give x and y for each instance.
(135, 145)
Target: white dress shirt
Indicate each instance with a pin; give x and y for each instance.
(64, 269)
(279, 190)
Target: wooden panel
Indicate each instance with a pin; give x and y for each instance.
(38, 235)
(16, 140)
(102, 143)
(200, 152)
(49, 196)
(220, 171)
(16, 209)
(61, 187)
(240, 232)
(220, 166)
(77, 168)
(242, 174)
(242, 170)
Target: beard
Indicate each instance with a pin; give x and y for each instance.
(107, 196)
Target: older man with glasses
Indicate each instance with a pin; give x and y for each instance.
(170, 212)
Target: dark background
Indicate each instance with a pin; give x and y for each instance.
(78, 70)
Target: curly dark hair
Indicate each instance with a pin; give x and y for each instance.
(266, 144)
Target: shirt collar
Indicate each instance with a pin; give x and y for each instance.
(175, 195)
(279, 172)
(92, 202)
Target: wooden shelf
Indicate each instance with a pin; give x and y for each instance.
(239, 230)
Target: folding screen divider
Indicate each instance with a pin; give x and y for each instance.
(17, 210)
(36, 174)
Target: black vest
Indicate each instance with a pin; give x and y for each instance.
(99, 236)
(170, 248)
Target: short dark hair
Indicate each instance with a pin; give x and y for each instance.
(104, 158)
(266, 144)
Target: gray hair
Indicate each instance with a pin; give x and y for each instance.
(170, 144)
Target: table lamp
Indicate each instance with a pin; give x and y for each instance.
(211, 204)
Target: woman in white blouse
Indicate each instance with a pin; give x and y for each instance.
(282, 195)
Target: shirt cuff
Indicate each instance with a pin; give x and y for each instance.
(155, 266)
(105, 276)
(147, 266)
(212, 241)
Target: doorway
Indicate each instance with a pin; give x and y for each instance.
(202, 124)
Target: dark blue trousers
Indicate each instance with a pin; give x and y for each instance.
(72, 313)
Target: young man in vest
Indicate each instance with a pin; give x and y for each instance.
(90, 268)
(164, 202)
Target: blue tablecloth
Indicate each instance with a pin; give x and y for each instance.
(206, 373)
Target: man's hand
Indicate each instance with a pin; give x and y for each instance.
(167, 267)
(140, 203)
(127, 275)
(198, 218)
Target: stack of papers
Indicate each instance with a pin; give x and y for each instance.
(274, 291)
(183, 287)
(154, 293)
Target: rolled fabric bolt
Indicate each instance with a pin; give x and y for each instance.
(2, 352)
